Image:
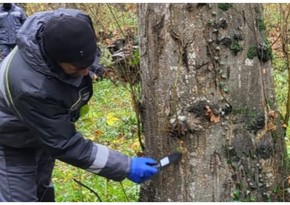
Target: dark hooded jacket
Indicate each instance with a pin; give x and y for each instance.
(39, 104)
(10, 23)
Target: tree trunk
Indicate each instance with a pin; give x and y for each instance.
(208, 93)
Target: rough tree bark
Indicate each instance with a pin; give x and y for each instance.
(208, 92)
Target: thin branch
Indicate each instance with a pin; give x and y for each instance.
(116, 20)
(276, 40)
(97, 195)
(124, 191)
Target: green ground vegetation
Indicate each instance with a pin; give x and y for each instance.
(109, 120)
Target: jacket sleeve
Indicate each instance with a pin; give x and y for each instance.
(49, 120)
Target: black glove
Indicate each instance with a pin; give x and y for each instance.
(97, 72)
(97, 69)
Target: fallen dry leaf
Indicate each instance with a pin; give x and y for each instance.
(212, 117)
(273, 114)
(271, 126)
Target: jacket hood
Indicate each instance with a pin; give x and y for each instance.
(28, 41)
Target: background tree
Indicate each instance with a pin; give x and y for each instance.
(277, 21)
(208, 92)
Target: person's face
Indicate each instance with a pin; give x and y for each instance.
(71, 70)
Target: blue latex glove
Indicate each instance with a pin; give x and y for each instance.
(142, 169)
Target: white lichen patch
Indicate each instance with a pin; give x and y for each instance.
(191, 56)
(192, 189)
(182, 118)
(249, 62)
(173, 68)
(172, 120)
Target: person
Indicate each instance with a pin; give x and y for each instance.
(45, 80)
(11, 19)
